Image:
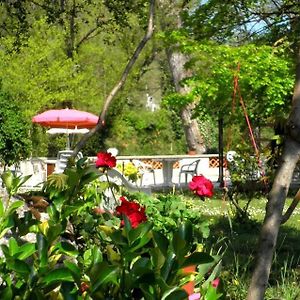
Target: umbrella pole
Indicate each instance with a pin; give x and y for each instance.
(68, 142)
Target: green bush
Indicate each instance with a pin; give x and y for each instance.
(15, 143)
(82, 251)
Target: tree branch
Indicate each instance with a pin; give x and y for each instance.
(291, 208)
(120, 83)
(89, 33)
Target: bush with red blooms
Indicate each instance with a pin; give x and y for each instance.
(201, 186)
(133, 211)
(105, 160)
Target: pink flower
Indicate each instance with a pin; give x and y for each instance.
(105, 160)
(133, 211)
(215, 283)
(201, 186)
(196, 296)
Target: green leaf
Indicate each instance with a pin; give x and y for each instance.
(212, 294)
(183, 240)
(42, 245)
(87, 178)
(53, 232)
(162, 242)
(67, 291)
(14, 206)
(96, 255)
(18, 266)
(61, 274)
(197, 258)
(5, 250)
(139, 232)
(169, 266)
(140, 243)
(70, 209)
(13, 246)
(118, 238)
(1, 208)
(185, 231)
(102, 274)
(19, 181)
(26, 250)
(179, 246)
(207, 269)
(52, 212)
(66, 248)
(127, 225)
(7, 178)
(6, 294)
(175, 293)
(74, 270)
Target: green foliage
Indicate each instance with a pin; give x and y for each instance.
(166, 211)
(265, 80)
(144, 132)
(15, 143)
(265, 84)
(39, 73)
(248, 180)
(81, 253)
(8, 207)
(177, 101)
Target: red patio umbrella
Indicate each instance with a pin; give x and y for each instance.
(71, 119)
(66, 118)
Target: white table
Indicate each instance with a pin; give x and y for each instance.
(167, 164)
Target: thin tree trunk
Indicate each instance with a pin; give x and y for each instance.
(277, 197)
(120, 83)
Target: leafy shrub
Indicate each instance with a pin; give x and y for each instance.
(80, 251)
(15, 143)
(248, 179)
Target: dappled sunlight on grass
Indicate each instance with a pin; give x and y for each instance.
(238, 242)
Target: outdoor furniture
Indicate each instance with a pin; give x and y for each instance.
(189, 169)
(62, 160)
(143, 169)
(167, 168)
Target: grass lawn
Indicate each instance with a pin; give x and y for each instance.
(237, 242)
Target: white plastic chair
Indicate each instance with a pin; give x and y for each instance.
(62, 160)
(144, 169)
(188, 169)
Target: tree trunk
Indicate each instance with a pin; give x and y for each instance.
(277, 196)
(194, 139)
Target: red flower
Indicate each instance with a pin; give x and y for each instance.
(133, 211)
(105, 160)
(201, 186)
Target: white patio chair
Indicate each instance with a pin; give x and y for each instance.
(144, 169)
(188, 169)
(62, 160)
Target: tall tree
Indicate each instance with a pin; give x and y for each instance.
(171, 21)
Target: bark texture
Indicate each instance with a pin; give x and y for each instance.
(177, 61)
(272, 221)
(193, 136)
(277, 197)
